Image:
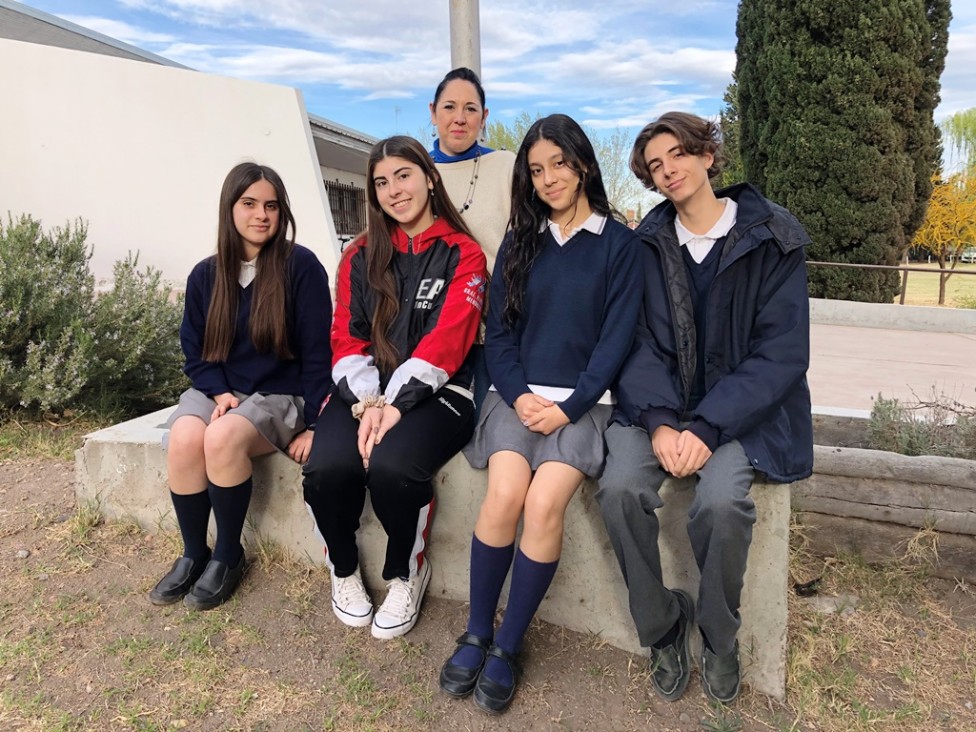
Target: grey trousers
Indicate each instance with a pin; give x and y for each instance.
(719, 526)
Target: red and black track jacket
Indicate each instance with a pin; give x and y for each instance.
(440, 276)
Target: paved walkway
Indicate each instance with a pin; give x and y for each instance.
(850, 365)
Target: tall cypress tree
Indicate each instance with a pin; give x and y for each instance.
(835, 105)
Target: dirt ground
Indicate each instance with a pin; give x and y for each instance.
(82, 649)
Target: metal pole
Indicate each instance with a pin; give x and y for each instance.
(465, 35)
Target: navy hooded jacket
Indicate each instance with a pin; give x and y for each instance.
(757, 340)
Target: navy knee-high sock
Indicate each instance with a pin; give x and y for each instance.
(530, 580)
(193, 516)
(230, 510)
(489, 568)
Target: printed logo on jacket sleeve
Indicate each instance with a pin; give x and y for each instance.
(474, 291)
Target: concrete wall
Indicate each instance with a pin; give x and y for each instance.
(140, 152)
(123, 470)
(894, 317)
(344, 176)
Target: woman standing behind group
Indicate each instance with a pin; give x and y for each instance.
(409, 296)
(565, 295)
(477, 178)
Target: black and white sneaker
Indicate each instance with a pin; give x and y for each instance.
(350, 602)
(401, 608)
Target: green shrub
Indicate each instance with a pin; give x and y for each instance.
(966, 301)
(942, 426)
(61, 346)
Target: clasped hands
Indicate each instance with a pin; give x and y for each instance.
(539, 414)
(374, 424)
(680, 453)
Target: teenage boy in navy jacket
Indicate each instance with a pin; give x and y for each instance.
(715, 386)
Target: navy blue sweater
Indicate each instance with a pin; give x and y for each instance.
(578, 320)
(309, 315)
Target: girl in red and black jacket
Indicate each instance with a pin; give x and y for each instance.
(408, 304)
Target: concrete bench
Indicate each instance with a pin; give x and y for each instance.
(123, 470)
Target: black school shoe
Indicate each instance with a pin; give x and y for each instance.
(671, 665)
(489, 695)
(178, 580)
(216, 585)
(721, 676)
(456, 680)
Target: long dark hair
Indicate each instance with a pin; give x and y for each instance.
(529, 212)
(379, 242)
(268, 322)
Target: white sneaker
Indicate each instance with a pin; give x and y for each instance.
(401, 608)
(350, 603)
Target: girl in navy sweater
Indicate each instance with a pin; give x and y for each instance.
(408, 304)
(565, 294)
(254, 334)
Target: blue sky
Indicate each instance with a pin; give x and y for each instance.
(373, 64)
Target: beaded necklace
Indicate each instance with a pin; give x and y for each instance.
(469, 196)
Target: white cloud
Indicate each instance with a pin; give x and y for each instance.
(615, 63)
(958, 88)
(119, 30)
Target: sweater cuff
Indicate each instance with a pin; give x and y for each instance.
(704, 432)
(653, 418)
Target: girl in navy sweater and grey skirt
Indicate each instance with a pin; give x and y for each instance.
(255, 336)
(563, 308)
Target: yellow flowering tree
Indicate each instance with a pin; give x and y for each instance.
(950, 223)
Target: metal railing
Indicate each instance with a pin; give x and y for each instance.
(903, 268)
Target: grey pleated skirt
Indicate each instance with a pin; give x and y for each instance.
(579, 445)
(276, 417)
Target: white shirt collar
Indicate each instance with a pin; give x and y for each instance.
(248, 271)
(594, 224)
(719, 229)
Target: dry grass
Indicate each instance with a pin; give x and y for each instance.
(48, 437)
(81, 650)
(897, 660)
(923, 288)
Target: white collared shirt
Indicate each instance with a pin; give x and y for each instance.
(699, 245)
(248, 272)
(594, 224)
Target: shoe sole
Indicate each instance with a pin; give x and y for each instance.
(164, 601)
(191, 602)
(391, 633)
(353, 621)
(683, 599)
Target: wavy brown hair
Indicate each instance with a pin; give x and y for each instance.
(268, 321)
(696, 135)
(379, 244)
